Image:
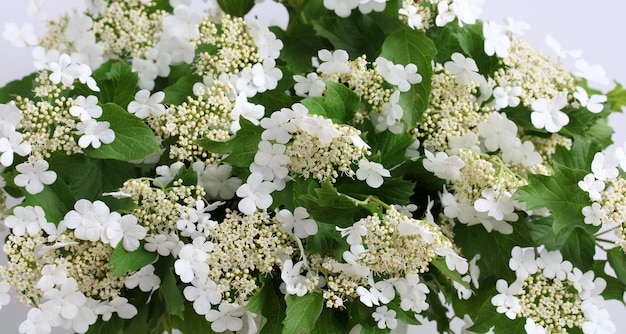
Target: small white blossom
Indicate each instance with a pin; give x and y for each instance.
(594, 73)
(592, 186)
(250, 111)
(553, 265)
(33, 176)
(594, 214)
(191, 260)
(496, 40)
(217, 180)
(507, 96)
(26, 219)
(20, 36)
(13, 144)
(443, 166)
(203, 292)
(90, 220)
(146, 104)
(354, 233)
(505, 301)
(464, 69)
(593, 103)
(372, 173)
(523, 262)
(86, 108)
(37, 322)
(414, 19)
(604, 166)
(227, 317)
(547, 114)
(297, 223)
(94, 133)
(333, 62)
(559, 50)
(385, 318)
(255, 194)
(293, 282)
(342, 8)
(397, 74)
(9, 119)
(5, 297)
(125, 230)
(162, 244)
(145, 279)
(119, 305)
(311, 85)
(497, 205)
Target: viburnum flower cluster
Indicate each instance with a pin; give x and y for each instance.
(368, 164)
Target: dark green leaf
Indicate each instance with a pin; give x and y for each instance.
(390, 147)
(488, 317)
(133, 138)
(302, 313)
(236, 7)
(617, 260)
(331, 321)
(241, 148)
(392, 191)
(542, 233)
(123, 261)
(614, 287)
(442, 267)
(339, 103)
(115, 325)
(579, 157)
(291, 196)
(327, 241)
(22, 87)
(56, 200)
(495, 248)
(579, 248)
(269, 303)
(412, 47)
(300, 45)
(329, 206)
(192, 322)
(365, 35)
(170, 292)
(408, 317)
(120, 85)
(362, 315)
(178, 93)
(560, 194)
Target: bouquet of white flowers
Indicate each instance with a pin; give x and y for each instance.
(370, 163)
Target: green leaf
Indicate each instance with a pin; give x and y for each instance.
(331, 207)
(362, 315)
(115, 325)
(392, 191)
(442, 267)
(192, 322)
(339, 103)
(602, 132)
(300, 45)
(119, 85)
(560, 194)
(331, 321)
(617, 97)
(617, 260)
(169, 291)
(579, 248)
(236, 7)
(494, 247)
(365, 35)
(269, 303)
(178, 93)
(389, 147)
(241, 147)
(302, 313)
(412, 47)
(292, 195)
(542, 233)
(56, 200)
(579, 157)
(22, 87)
(327, 241)
(488, 317)
(123, 261)
(133, 138)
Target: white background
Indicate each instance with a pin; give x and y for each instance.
(596, 27)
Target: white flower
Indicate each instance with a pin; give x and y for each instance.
(411, 227)
(558, 49)
(468, 141)
(547, 114)
(598, 319)
(255, 194)
(445, 14)
(385, 317)
(467, 11)
(259, 78)
(496, 40)
(126, 230)
(279, 126)
(594, 73)
(119, 305)
(506, 302)
(453, 260)
(293, 282)
(523, 262)
(162, 244)
(20, 36)
(145, 279)
(243, 108)
(335, 62)
(26, 219)
(37, 322)
(94, 133)
(497, 205)
(342, 8)
(498, 131)
(268, 46)
(34, 176)
(397, 74)
(592, 186)
(604, 167)
(366, 6)
(587, 286)
(217, 180)
(191, 260)
(271, 159)
(352, 267)
(464, 69)
(515, 27)
(319, 127)
(51, 275)
(372, 173)
(354, 233)
(61, 71)
(146, 104)
(311, 85)
(90, 220)
(443, 166)
(593, 103)
(507, 96)
(203, 292)
(9, 119)
(65, 301)
(5, 297)
(86, 108)
(414, 19)
(553, 265)
(13, 144)
(228, 317)
(412, 293)
(594, 214)
(166, 174)
(380, 292)
(297, 223)
(532, 328)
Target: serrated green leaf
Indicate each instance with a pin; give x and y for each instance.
(120, 85)
(366, 37)
(560, 194)
(331, 321)
(178, 93)
(488, 317)
(22, 87)
(236, 7)
(339, 103)
(495, 248)
(133, 138)
(579, 157)
(56, 200)
(614, 287)
(390, 147)
(300, 45)
(412, 47)
(579, 248)
(192, 322)
(241, 147)
(542, 233)
(291, 196)
(617, 97)
(327, 241)
(617, 260)
(302, 313)
(392, 191)
(269, 303)
(330, 207)
(123, 261)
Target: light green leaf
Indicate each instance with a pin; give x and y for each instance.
(579, 157)
(617, 97)
(339, 103)
(123, 261)
(120, 85)
(617, 260)
(560, 194)
(236, 7)
(412, 47)
(22, 87)
(302, 313)
(269, 303)
(133, 138)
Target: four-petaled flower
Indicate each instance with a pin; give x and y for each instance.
(372, 173)
(547, 114)
(33, 176)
